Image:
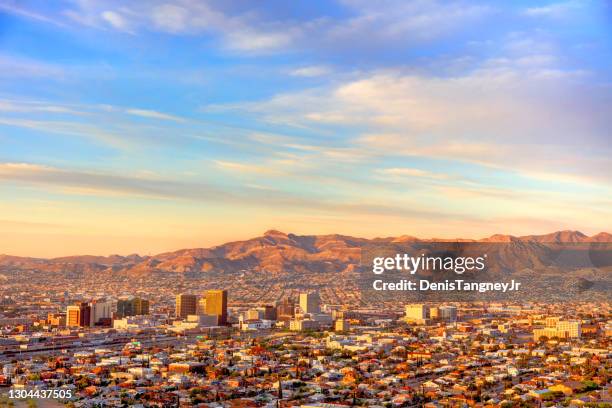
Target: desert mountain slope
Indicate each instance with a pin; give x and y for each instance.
(278, 253)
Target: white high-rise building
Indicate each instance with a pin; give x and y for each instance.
(101, 309)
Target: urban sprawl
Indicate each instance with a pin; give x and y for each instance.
(212, 349)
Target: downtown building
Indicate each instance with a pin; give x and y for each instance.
(216, 305)
(418, 313)
(98, 312)
(186, 304)
(310, 303)
(212, 303)
(78, 315)
(448, 313)
(562, 329)
(132, 306)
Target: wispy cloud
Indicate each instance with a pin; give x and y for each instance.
(71, 128)
(412, 172)
(153, 114)
(391, 114)
(20, 67)
(240, 31)
(106, 183)
(311, 71)
(244, 28)
(247, 168)
(77, 182)
(22, 12)
(36, 107)
(555, 10)
(91, 121)
(498, 115)
(412, 21)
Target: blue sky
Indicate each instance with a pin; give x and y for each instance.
(149, 126)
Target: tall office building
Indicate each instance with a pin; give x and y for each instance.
(186, 305)
(270, 312)
(416, 312)
(310, 303)
(125, 307)
(267, 312)
(448, 313)
(141, 306)
(101, 312)
(216, 305)
(286, 309)
(342, 325)
(201, 307)
(78, 315)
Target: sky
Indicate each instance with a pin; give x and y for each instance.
(132, 126)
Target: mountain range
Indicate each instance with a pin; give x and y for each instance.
(278, 253)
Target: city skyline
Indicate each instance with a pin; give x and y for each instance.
(132, 128)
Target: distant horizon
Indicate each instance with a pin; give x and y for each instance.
(206, 246)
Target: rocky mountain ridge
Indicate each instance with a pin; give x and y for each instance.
(278, 253)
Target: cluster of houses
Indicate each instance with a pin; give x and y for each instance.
(481, 362)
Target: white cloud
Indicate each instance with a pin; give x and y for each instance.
(405, 21)
(36, 107)
(251, 29)
(311, 71)
(10, 167)
(239, 31)
(513, 113)
(92, 182)
(153, 114)
(170, 18)
(115, 19)
(75, 182)
(245, 168)
(19, 67)
(554, 10)
(77, 129)
(257, 41)
(412, 172)
(10, 8)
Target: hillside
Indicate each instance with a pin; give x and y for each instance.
(277, 253)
